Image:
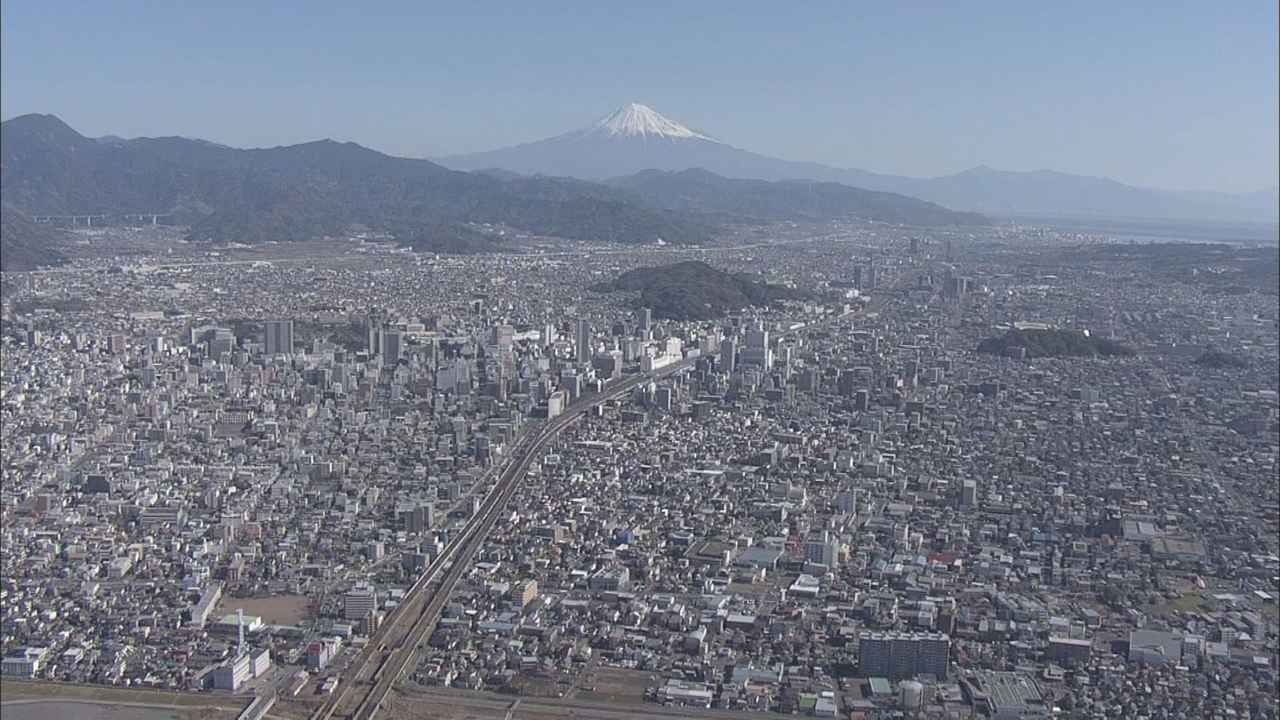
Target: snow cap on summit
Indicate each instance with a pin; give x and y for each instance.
(636, 119)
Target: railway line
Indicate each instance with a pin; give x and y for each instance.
(396, 643)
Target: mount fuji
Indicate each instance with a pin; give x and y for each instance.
(633, 138)
(636, 120)
(636, 137)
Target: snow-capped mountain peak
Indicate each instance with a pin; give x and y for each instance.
(641, 120)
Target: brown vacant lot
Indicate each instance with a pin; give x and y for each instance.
(274, 610)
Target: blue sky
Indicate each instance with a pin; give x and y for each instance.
(1157, 94)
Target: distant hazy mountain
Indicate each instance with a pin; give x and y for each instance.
(632, 139)
(636, 138)
(303, 191)
(1045, 192)
(703, 191)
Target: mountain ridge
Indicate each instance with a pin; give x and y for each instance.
(699, 190)
(326, 187)
(595, 156)
(307, 190)
(24, 244)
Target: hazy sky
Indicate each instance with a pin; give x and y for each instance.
(1175, 97)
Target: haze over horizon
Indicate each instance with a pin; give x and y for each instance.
(1151, 97)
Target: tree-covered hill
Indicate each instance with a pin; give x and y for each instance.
(694, 290)
(1053, 343)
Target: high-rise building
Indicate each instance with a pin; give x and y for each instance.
(847, 501)
(525, 592)
(504, 336)
(582, 341)
(608, 365)
(846, 383)
(319, 653)
(415, 516)
(810, 380)
(861, 400)
(571, 383)
(823, 550)
(392, 346)
(555, 404)
(423, 517)
(664, 397)
(233, 673)
(757, 351)
(646, 323)
(278, 337)
(223, 341)
(969, 493)
(359, 602)
(898, 655)
(729, 355)
(497, 387)
(115, 344)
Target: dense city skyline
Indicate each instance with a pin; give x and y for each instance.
(846, 469)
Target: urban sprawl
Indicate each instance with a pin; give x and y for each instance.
(363, 481)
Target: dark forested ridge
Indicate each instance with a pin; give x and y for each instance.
(694, 290)
(300, 192)
(24, 245)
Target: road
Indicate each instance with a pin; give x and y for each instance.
(119, 703)
(394, 645)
